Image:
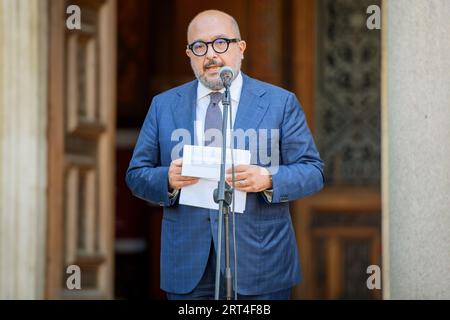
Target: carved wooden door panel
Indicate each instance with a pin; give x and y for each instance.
(81, 149)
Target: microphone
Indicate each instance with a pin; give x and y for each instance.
(227, 75)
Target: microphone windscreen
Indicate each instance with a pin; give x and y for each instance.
(226, 74)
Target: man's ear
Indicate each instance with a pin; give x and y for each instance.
(188, 53)
(242, 47)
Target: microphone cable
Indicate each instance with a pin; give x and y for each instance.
(233, 197)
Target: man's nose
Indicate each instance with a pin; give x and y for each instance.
(210, 54)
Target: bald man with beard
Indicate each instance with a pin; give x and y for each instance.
(267, 257)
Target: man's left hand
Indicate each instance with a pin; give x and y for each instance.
(250, 178)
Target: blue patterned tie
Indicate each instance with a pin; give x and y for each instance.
(213, 118)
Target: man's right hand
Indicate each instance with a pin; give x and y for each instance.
(176, 180)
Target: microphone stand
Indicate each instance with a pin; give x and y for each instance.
(223, 196)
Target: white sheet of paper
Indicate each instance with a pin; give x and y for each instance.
(204, 163)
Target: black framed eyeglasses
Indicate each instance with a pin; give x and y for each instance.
(220, 45)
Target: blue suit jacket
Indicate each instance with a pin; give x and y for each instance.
(266, 246)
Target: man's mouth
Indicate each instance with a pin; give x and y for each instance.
(212, 68)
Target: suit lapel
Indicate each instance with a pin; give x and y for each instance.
(183, 111)
(252, 106)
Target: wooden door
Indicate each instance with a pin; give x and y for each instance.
(81, 149)
(337, 66)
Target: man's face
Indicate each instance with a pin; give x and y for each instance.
(206, 68)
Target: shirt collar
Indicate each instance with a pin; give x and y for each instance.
(235, 89)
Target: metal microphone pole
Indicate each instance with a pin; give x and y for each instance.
(223, 195)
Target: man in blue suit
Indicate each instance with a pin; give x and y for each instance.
(267, 258)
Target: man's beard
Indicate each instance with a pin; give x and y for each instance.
(216, 83)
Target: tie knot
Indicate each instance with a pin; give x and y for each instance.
(216, 97)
